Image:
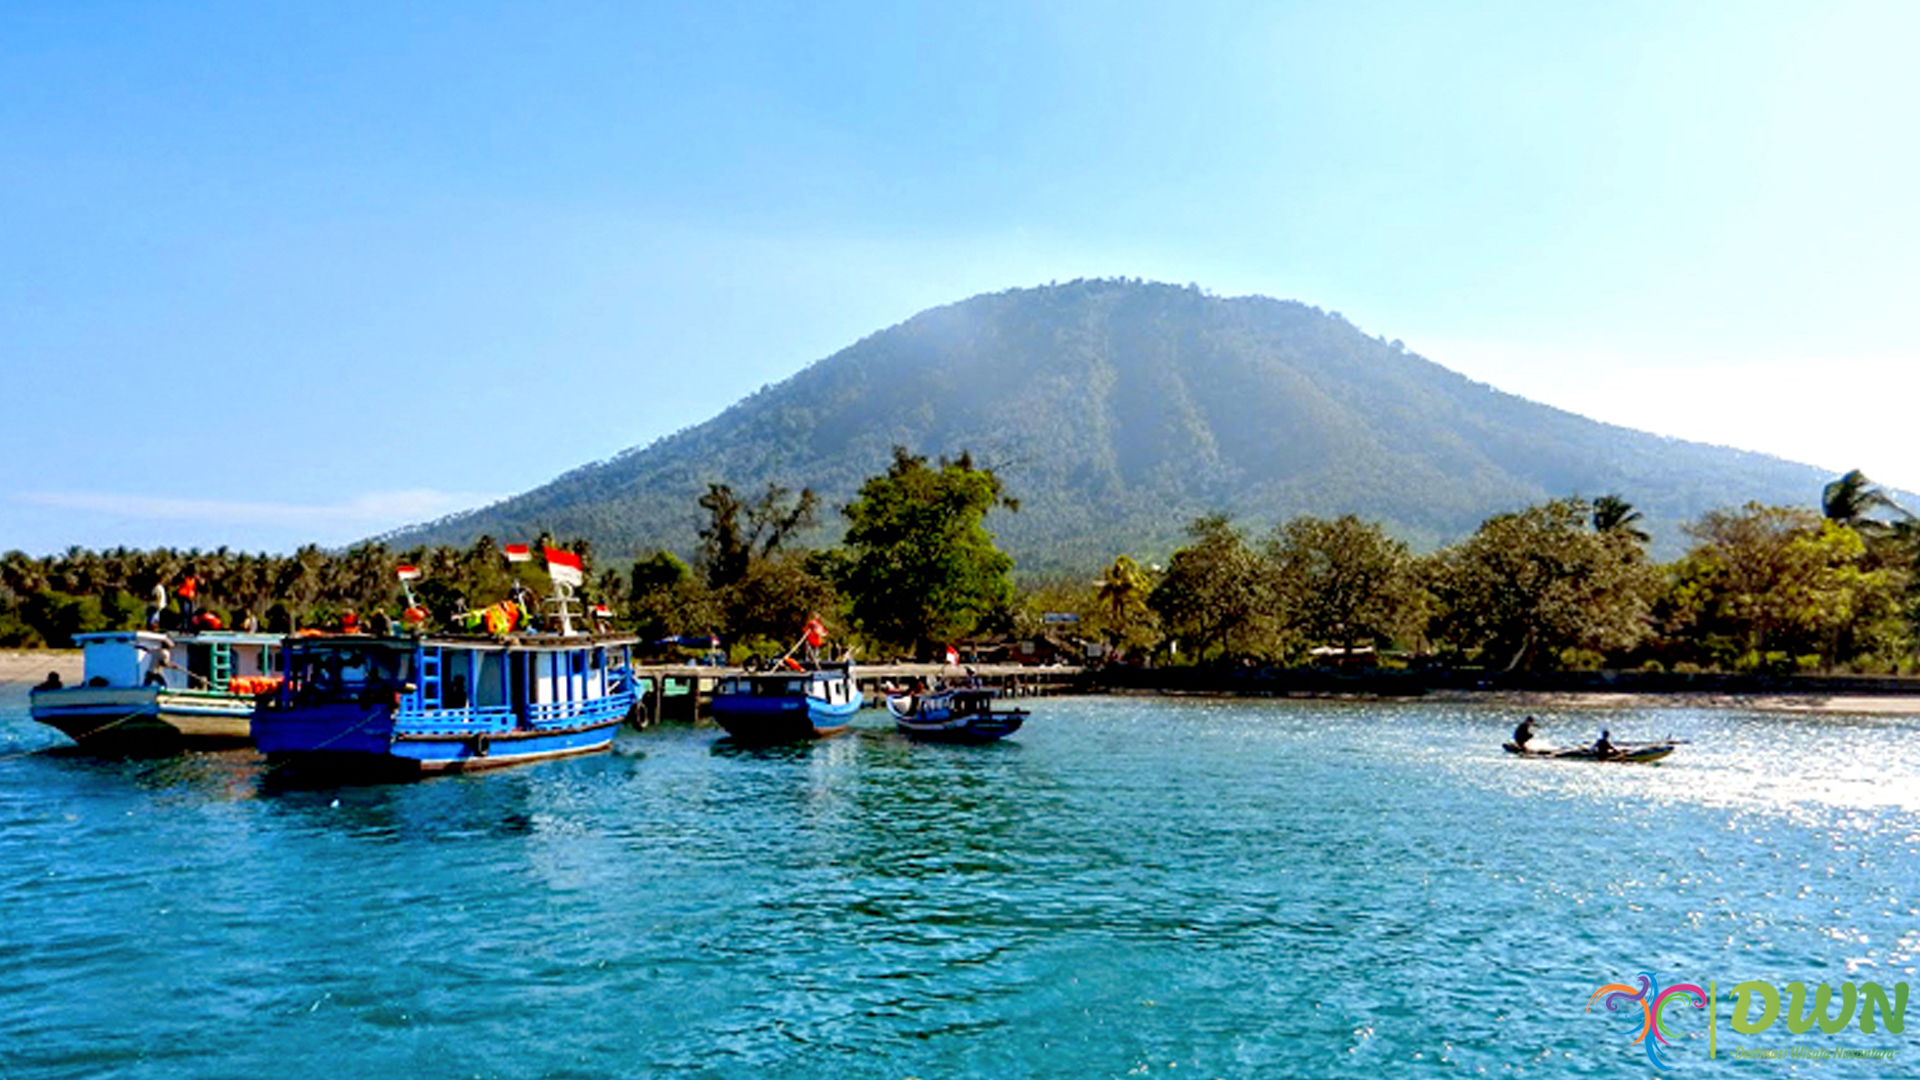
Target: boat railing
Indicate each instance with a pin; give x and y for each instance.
(471, 719)
(573, 713)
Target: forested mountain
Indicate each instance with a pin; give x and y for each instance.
(1116, 411)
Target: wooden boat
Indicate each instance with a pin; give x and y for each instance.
(1627, 752)
(150, 692)
(786, 705)
(961, 714)
(446, 703)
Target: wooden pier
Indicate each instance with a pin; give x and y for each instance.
(680, 692)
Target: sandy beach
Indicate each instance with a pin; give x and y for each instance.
(30, 666)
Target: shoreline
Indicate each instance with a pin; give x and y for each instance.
(27, 667)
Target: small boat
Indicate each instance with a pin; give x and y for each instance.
(1628, 752)
(445, 703)
(149, 692)
(960, 714)
(787, 705)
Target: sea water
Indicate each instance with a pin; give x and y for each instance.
(1131, 886)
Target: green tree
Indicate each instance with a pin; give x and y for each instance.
(739, 532)
(1342, 582)
(1773, 581)
(1214, 594)
(922, 568)
(1529, 586)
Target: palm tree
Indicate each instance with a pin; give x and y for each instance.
(1848, 501)
(1611, 513)
(1123, 590)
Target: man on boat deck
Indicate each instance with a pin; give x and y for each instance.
(157, 601)
(188, 592)
(1523, 733)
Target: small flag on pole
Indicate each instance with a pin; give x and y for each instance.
(564, 567)
(517, 553)
(408, 573)
(953, 655)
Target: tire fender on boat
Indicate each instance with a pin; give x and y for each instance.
(482, 744)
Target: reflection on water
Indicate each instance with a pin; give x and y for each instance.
(1129, 887)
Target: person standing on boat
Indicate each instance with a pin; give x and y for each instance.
(815, 636)
(1524, 733)
(187, 592)
(157, 603)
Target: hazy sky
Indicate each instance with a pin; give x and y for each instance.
(277, 273)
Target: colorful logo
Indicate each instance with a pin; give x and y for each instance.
(1651, 1001)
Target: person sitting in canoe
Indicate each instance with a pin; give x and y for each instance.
(1604, 746)
(1523, 733)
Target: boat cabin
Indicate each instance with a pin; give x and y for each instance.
(214, 661)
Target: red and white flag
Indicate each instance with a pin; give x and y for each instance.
(408, 573)
(564, 567)
(517, 553)
(953, 655)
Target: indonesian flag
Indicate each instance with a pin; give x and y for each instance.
(408, 573)
(953, 655)
(518, 553)
(564, 567)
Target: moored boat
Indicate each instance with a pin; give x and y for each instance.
(150, 692)
(446, 703)
(1625, 752)
(429, 703)
(789, 704)
(962, 714)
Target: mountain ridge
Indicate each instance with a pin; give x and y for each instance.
(1118, 410)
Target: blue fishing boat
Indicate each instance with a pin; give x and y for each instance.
(149, 692)
(793, 703)
(446, 703)
(959, 714)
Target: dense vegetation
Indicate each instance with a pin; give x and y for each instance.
(1120, 411)
(1562, 584)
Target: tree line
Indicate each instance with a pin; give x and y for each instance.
(1566, 583)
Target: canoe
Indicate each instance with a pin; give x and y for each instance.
(1627, 752)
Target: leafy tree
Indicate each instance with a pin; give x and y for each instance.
(1781, 581)
(1214, 593)
(739, 532)
(1529, 586)
(1343, 581)
(922, 568)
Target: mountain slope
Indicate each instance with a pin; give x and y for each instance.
(1117, 411)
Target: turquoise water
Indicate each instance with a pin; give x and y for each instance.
(1133, 887)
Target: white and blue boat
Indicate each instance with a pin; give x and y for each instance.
(959, 714)
(787, 705)
(142, 691)
(449, 703)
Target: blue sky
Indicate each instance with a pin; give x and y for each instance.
(280, 273)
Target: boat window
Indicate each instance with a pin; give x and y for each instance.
(349, 672)
(490, 681)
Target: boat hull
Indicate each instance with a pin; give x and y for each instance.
(380, 741)
(763, 721)
(144, 716)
